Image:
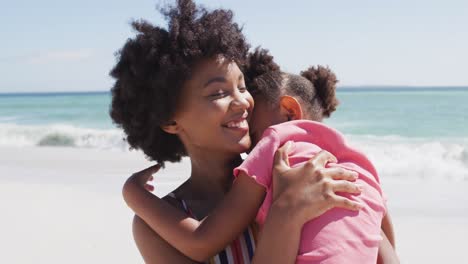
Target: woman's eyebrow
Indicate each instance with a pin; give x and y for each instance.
(215, 79)
(221, 79)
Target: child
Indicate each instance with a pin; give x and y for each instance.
(338, 235)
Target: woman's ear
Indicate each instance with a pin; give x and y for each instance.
(171, 127)
(290, 108)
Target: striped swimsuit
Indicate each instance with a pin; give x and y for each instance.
(240, 251)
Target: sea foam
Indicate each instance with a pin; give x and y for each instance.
(412, 158)
(61, 135)
(394, 156)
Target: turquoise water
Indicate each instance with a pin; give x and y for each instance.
(88, 110)
(410, 113)
(427, 113)
(421, 133)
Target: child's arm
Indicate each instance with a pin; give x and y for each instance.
(197, 240)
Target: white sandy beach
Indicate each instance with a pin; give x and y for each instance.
(63, 205)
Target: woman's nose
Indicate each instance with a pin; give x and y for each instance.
(241, 101)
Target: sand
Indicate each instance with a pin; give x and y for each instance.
(64, 205)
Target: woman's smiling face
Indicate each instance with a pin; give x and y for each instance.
(214, 108)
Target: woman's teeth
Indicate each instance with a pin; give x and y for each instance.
(238, 124)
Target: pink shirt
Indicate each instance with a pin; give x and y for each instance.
(338, 235)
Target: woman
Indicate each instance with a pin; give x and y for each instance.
(180, 92)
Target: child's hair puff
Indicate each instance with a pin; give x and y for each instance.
(324, 81)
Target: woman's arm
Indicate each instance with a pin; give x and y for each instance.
(300, 194)
(387, 228)
(279, 239)
(387, 254)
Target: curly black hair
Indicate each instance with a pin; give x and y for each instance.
(315, 87)
(153, 66)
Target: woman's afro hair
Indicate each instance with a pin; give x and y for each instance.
(153, 66)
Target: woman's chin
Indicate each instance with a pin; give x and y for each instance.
(244, 144)
(238, 144)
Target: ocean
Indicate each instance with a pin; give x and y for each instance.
(409, 133)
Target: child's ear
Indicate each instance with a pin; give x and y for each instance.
(171, 127)
(290, 108)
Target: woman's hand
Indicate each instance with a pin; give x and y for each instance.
(309, 190)
(299, 195)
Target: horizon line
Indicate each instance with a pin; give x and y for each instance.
(345, 87)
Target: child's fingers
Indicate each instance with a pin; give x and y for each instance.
(148, 171)
(149, 187)
(146, 175)
(152, 169)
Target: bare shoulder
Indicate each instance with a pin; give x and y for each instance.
(152, 247)
(174, 197)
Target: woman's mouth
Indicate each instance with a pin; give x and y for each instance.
(238, 124)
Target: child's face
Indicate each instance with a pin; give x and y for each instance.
(264, 115)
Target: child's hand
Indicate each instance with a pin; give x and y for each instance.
(143, 177)
(309, 189)
(135, 183)
(148, 186)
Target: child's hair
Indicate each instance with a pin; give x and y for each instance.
(153, 66)
(314, 87)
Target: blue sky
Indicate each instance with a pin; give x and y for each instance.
(69, 45)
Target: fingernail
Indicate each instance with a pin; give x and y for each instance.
(289, 145)
(293, 144)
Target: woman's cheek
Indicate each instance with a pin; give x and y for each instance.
(221, 105)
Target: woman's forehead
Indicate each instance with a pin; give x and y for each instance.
(215, 68)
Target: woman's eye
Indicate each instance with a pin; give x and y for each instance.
(242, 89)
(218, 94)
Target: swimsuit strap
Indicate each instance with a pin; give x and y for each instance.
(184, 205)
(240, 251)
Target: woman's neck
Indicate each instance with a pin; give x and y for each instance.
(211, 175)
